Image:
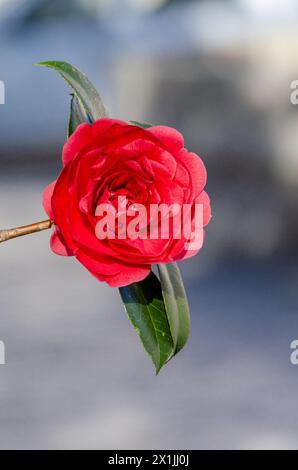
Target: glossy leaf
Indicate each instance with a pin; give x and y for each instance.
(176, 304)
(81, 86)
(77, 114)
(144, 125)
(145, 308)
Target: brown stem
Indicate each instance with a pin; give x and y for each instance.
(25, 230)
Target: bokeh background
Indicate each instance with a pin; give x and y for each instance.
(76, 376)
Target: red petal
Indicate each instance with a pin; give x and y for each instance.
(58, 245)
(126, 277)
(47, 199)
(170, 137)
(196, 169)
(77, 141)
(204, 199)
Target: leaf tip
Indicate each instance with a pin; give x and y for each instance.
(40, 64)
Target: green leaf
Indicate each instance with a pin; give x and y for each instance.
(77, 114)
(145, 308)
(176, 304)
(81, 86)
(144, 125)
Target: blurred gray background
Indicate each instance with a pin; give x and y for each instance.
(76, 376)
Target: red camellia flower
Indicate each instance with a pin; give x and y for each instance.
(110, 159)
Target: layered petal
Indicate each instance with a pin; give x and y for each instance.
(47, 199)
(58, 244)
(170, 138)
(112, 159)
